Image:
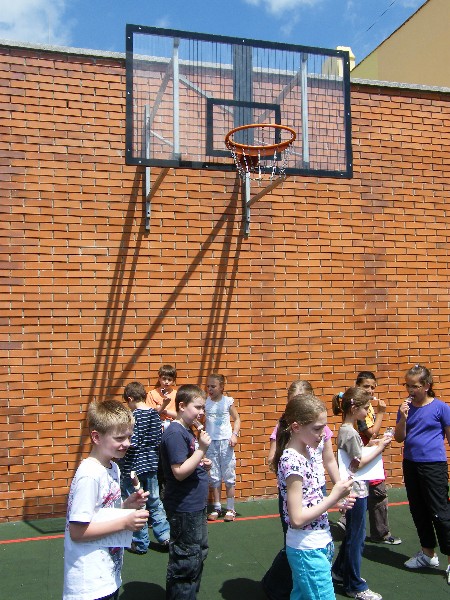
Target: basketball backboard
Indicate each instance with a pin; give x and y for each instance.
(185, 91)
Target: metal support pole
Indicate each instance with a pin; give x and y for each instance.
(147, 185)
(304, 98)
(246, 203)
(149, 189)
(176, 99)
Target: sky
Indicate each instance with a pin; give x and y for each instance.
(100, 24)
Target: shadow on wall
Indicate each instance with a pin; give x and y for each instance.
(106, 381)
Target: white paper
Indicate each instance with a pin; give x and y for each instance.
(373, 470)
(121, 539)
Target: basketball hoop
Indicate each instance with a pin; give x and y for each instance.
(247, 157)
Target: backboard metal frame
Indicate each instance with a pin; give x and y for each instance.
(231, 82)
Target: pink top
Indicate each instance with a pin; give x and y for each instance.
(327, 431)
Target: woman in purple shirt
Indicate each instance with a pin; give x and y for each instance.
(423, 422)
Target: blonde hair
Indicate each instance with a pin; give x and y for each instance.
(108, 416)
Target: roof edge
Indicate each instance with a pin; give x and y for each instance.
(403, 86)
(121, 56)
(62, 49)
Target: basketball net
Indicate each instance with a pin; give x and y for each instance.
(265, 160)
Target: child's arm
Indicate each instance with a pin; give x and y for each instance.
(236, 425)
(300, 516)
(375, 429)
(183, 470)
(163, 410)
(400, 428)
(272, 448)
(161, 407)
(85, 532)
(375, 451)
(167, 411)
(329, 462)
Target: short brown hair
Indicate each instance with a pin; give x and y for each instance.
(187, 394)
(136, 391)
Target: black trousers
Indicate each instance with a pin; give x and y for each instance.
(427, 490)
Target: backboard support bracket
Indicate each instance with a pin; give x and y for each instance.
(149, 192)
(247, 200)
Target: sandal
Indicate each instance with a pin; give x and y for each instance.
(230, 515)
(213, 515)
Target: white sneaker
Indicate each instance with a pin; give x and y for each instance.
(422, 560)
(447, 574)
(365, 595)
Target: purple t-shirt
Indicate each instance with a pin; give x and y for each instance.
(425, 432)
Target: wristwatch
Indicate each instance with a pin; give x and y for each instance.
(236, 434)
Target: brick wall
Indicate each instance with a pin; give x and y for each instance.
(336, 275)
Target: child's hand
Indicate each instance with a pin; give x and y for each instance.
(207, 463)
(203, 441)
(136, 500)
(233, 440)
(385, 441)
(381, 406)
(346, 503)
(136, 520)
(404, 408)
(342, 488)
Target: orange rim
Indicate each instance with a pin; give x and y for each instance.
(255, 150)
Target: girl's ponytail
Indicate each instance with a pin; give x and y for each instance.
(283, 435)
(353, 397)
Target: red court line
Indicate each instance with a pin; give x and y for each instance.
(256, 518)
(33, 539)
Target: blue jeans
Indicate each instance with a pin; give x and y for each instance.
(157, 516)
(348, 562)
(188, 549)
(311, 573)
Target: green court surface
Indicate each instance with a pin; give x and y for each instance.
(31, 559)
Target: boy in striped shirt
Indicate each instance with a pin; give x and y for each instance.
(142, 458)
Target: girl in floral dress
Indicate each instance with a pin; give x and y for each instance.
(309, 546)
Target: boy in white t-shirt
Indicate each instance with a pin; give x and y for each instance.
(92, 569)
(218, 410)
